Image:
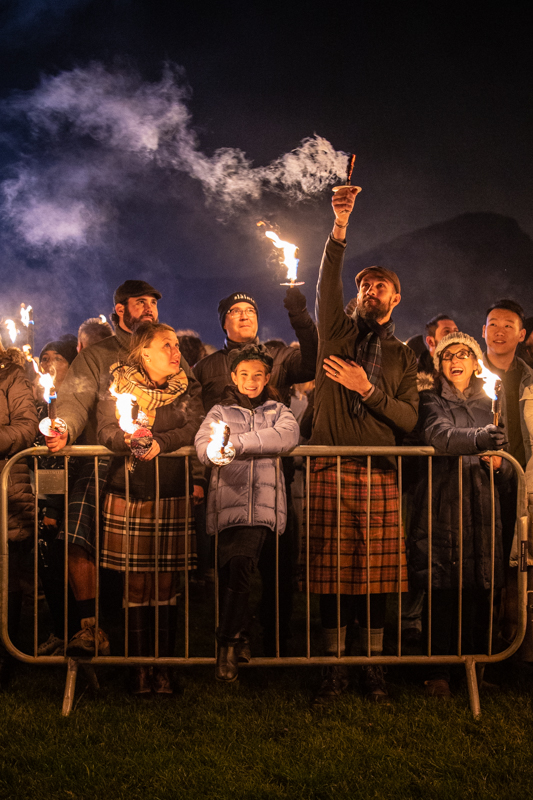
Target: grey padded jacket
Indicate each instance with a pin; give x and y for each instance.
(244, 492)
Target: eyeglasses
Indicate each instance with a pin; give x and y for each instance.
(462, 354)
(243, 312)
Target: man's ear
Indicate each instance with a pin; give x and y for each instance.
(522, 335)
(484, 332)
(396, 299)
(119, 310)
(430, 342)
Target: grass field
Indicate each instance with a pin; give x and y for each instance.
(259, 739)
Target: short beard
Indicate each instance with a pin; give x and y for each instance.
(375, 312)
(131, 322)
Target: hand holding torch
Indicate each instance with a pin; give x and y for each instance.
(220, 450)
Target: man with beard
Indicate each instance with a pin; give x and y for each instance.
(365, 395)
(87, 383)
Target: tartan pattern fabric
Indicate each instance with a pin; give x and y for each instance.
(368, 354)
(386, 552)
(81, 528)
(132, 381)
(142, 538)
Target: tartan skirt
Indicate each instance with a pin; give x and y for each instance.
(142, 535)
(386, 541)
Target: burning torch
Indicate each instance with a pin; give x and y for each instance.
(26, 317)
(289, 258)
(141, 435)
(52, 425)
(219, 449)
(492, 386)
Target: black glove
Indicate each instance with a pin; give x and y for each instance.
(295, 301)
(491, 437)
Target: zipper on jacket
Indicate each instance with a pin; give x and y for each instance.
(250, 508)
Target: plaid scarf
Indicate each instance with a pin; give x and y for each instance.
(368, 354)
(133, 381)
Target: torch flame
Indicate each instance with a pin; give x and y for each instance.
(289, 254)
(25, 314)
(218, 434)
(46, 380)
(124, 402)
(103, 319)
(489, 379)
(12, 329)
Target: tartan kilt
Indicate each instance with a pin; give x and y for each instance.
(142, 538)
(387, 549)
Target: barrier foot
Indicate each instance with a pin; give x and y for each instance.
(473, 688)
(70, 686)
(92, 680)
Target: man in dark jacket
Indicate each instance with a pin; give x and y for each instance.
(87, 383)
(365, 395)
(436, 329)
(238, 315)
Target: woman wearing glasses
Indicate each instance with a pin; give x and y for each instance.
(455, 418)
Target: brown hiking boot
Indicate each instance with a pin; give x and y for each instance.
(83, 643)
(374, 686)
(334, 683)
(439, 688)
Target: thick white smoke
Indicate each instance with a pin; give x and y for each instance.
(97, 134)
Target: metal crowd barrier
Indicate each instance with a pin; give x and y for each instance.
(57, 482)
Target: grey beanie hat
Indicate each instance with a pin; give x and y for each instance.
(456, 338)
(252, 352)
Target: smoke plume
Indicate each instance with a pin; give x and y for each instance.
(97, 136)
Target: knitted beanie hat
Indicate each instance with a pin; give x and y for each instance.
(227, 302)
(66, 347)
(456, 338)
(252, 352)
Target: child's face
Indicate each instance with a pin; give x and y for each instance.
(250, 377)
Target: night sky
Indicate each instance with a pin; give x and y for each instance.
(143, 139)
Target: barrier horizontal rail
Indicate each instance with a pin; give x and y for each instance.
(307, 453)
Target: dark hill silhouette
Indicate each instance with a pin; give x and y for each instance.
(458, 267)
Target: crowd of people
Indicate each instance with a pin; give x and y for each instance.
(345, 381)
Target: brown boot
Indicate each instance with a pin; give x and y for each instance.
(140, 684)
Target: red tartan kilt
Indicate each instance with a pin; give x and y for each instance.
(386, 542)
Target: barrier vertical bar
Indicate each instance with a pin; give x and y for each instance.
(186, 554)
(400, 512)
(36, 562)
(307, 556)
(338, 509)
(276, 501)
(460, 580)
(430, 551)
(368, 498)
(157, 510)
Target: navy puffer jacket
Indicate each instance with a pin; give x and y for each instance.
(449, 423)
(244, 492)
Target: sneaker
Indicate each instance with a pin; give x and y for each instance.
(52, 647)
(334, 684)
(374, 685)
(439, 688)
(83, 643)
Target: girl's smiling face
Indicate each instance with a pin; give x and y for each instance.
(250, 377)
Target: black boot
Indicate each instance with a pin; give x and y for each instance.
(139, 645)
(233, 614)
(168, 620)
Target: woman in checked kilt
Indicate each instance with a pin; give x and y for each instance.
(172, 412)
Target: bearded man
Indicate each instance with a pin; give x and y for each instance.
(365, 395)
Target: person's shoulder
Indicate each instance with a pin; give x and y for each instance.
(527, 372)
(210, 361)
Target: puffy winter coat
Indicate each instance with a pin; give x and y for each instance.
(449, 423)
(18, 428)
(244, 492)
